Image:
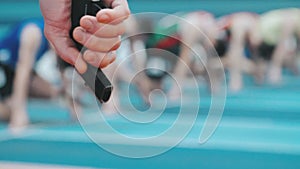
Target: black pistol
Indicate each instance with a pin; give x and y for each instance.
(93, 77)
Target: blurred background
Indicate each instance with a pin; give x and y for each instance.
(260, 124)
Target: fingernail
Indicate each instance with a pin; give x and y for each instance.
(104, 17)
(79, 34)
(111, 56)
(80, 65)
(89, 56)
(116, 46)
(87, 24)
(112, 60)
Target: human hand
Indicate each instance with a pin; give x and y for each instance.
(104, 29)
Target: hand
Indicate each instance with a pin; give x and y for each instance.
(104, 29)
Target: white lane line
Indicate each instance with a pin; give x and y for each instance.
(21, 165)
(261, 145)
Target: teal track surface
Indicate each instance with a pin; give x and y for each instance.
(260, 128)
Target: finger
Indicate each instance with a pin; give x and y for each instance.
(106, 62)
(99, 59)
(95, 43)
(80, 65)
(113, 59)
(91, 24)
(119, 12)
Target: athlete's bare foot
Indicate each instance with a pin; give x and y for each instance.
(18, 121)
(236, 81)
(275, 76)
(175, 93)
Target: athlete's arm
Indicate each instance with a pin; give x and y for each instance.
(30, 41)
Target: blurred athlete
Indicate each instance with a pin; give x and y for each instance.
(21, 47)
(199, 36)
(280, 30)
(237, 44)
(191, 38)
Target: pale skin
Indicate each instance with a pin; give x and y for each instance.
(200, 28)
(119, 71)
(194, 28)
(15, 106)
(30, 40)
(104, 29)
(282, 56)
(243, 26)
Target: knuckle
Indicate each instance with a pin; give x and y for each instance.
(89, 56)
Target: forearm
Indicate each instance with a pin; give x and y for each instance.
(21, 83)
(29, 44)
(288, 30)
(183, 61)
